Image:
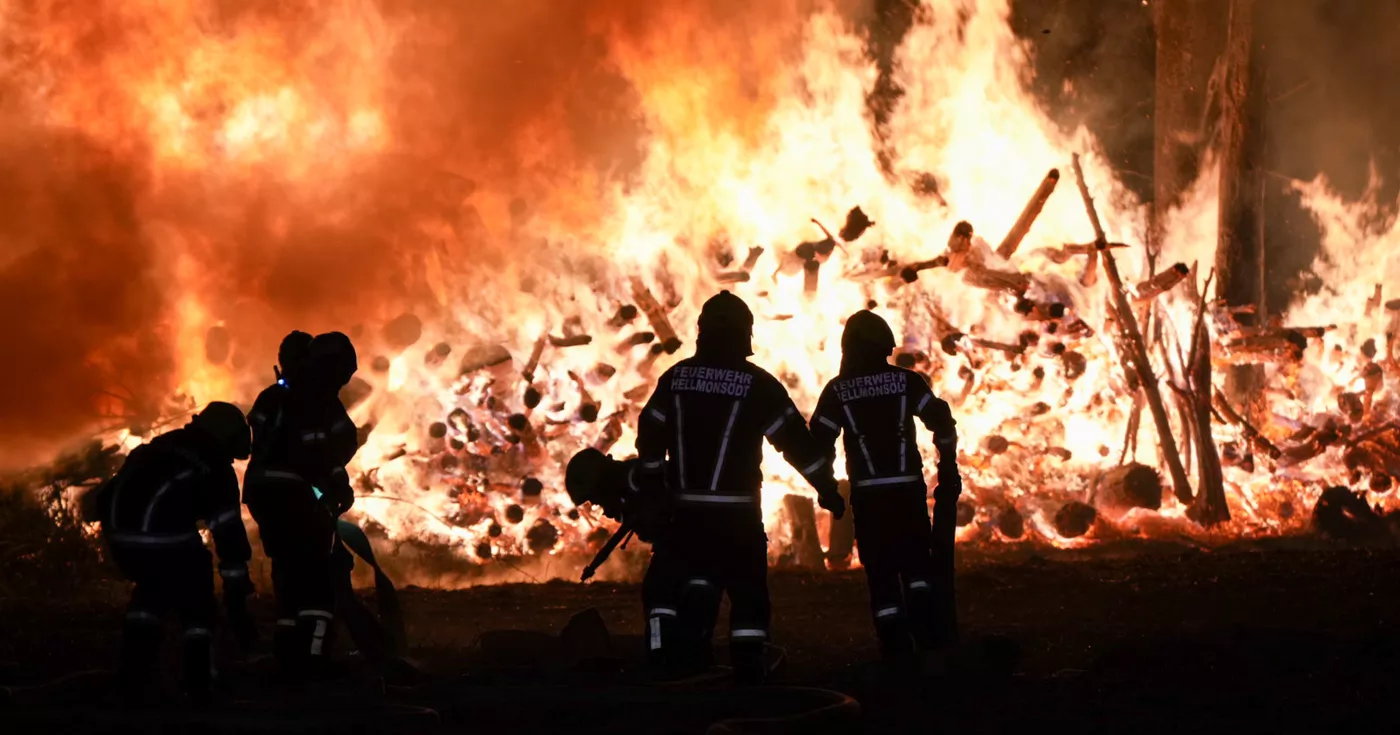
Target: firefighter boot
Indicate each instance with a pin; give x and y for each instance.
(140, 648)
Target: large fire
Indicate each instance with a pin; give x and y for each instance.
(510, 253)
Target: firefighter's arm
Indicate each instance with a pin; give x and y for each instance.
(225, 521)
(649, 474)
(789, 435)
(341, 443)
(937, 416)
(826, 421)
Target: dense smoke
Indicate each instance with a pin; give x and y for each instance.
(267, 165)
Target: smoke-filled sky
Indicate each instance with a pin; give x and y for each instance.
(290, 161)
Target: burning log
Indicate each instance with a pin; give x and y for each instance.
(402, 332)
(910, 273)
(842, 537)
(1074, 519)
(1064, 253)
(217, 344)
(656, 316)
(1282, 345)
(1160, 283)
(636, 340)
(1137, 348)
(1251, 435)
(612, 432)
(533, 364)
(1374, 302)
(437, 355)
(1129, 486)
(1008, 245)
(1010, 523)
(1041, 312)
(355, 392)
(979, 276)
(624, 316)
(588, 410)
(482, 357)
(1343, 514)
(959, 245)
(856, 224)
(577, 340)
(1209, 507)
(806, 546)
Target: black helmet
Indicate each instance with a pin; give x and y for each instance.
(293, 352)
(866, 331)
(331, 357)
(726, 322)
(225, 422)
(585, 471)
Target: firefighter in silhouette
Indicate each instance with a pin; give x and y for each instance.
(296, 488)
(292, 356)
(907, 566)
(148, 511)
(700, 438)
(614, 486)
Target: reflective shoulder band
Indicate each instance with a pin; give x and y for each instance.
(830, 424)
(663, 612)
(153, 539)
(651, 465)
(749, 634)
(656, 414)
(813, 467)
(233, 573)
(787, 414)
(923, 402)
(715, 499)
(885, 612)
(918, 584)
(699, 582)
(316, 614)
(228, 516)
(887, 480)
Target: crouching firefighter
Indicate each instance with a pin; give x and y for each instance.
(700, 438)
(907, 565)
(612, 485)
(296, 488)
(149, 510)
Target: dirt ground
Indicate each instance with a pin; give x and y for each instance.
(1244, 640)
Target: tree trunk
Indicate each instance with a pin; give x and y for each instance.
(1239, 255)
(1190, 37)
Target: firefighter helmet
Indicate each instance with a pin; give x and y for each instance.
(585, 471)
(293, 351)
(332, 358)
(726, 322)
(225, 422)
(866, 330)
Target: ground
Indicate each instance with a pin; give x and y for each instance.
(1239, 640)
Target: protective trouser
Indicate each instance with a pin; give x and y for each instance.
(724, 551)
(894, 538)
(179, 581)
(298, 535)
(661, 594)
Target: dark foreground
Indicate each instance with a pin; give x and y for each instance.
(1240, 641)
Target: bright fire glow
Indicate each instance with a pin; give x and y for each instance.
(746, 138)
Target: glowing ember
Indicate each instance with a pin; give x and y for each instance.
(329, 164)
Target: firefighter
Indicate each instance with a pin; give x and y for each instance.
(612, 485)
(292, 355)
(700, 438)
(908, 566)
(296, 489)
(148, 514)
